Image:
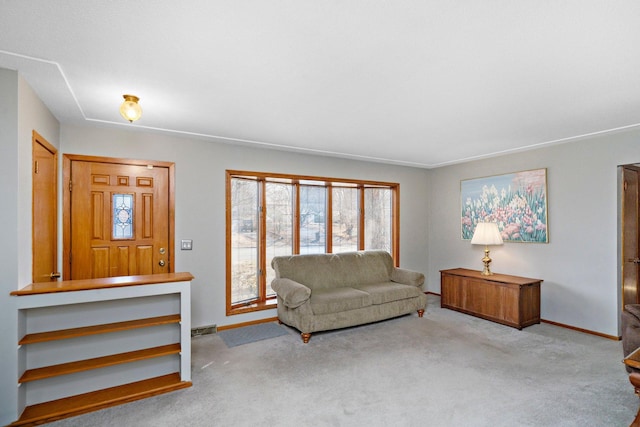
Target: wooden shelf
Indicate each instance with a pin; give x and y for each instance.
(98, 329)
(98, 362)
(53, 313)
(105, 283)
(75, 405)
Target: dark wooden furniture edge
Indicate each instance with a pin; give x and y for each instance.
(495, 277)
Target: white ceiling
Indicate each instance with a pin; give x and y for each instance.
(422, 83)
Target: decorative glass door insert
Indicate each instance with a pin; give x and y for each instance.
(122, 216)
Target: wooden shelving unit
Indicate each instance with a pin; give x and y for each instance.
(150, 369)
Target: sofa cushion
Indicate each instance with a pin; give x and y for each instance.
(324, 301)
(389, 291)
(324, 271)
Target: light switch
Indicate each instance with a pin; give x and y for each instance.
(186, 245)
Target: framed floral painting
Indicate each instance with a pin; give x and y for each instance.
(517, 202)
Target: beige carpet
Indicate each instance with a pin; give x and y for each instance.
(446, 369)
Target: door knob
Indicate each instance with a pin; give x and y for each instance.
(161, 263)
(635, 261)
(54, 275)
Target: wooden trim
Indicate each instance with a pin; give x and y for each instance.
(395, 225)
(360, 209)
(98, 329)
(262, 232)
(88, 402)
(328, 225)
(67, 159)
(269, 304)
(66, 217)
(586, 331)
(240, 325)
(107, 282)
(98, 362)
(172, 217)
(262, 178)
(118, 160)
(562, 325)
(229, 232)
(266, 175)
(36, 138)
(295, 232)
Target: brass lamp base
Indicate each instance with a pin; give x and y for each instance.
(486, 260)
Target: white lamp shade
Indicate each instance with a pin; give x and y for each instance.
(486, 233)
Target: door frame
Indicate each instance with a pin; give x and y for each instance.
(37, 139)
(66, 201)
(624, 220)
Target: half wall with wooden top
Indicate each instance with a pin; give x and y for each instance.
(86, 345)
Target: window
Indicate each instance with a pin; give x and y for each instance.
(271, 215)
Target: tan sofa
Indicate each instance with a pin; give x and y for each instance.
(321, 292)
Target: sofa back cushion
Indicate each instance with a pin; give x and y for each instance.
(324, 271)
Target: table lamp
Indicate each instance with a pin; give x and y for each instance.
(486, 234)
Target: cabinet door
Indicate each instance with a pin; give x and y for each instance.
(494, 300)
(451, 291)
(530, 304)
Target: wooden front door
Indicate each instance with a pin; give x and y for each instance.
(120, 217)
(630, 235)
(45, 210)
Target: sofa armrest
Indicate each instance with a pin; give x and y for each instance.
(293, 294)
(407, 277)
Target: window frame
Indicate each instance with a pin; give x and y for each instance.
(265, 302)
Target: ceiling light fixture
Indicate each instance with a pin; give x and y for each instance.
(130, 109)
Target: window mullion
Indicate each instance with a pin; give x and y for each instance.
(395, 225)
(361, 218)
(262, 241)
(296, 217)
(329, 220)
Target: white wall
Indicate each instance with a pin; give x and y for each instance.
(20, 112)
(8, 253)
(200, 199)
(579, 264)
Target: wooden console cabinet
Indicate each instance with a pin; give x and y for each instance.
(510, 300)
